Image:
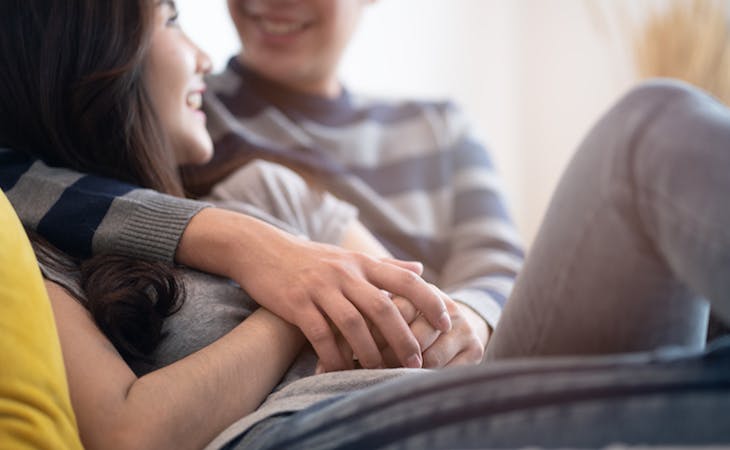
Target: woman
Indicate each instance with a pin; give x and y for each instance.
(188, 402)
(173, 70)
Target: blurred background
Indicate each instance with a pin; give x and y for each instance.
(533, 75)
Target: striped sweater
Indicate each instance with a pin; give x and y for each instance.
(422, 183)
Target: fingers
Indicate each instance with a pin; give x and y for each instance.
(406, 309)
(465, 359)
(414, 266)
(462, 345)
(353, 327)
(456, 349)
(404, 283)
(319, 333)
(345, 351)
(425, 334)
(378, 307)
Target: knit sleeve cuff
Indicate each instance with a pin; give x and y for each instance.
(488, 308)
(145, 224)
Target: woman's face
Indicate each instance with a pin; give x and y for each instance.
(174, 78)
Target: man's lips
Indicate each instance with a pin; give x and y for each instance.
(280, 28)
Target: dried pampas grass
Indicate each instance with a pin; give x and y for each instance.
(688, 40)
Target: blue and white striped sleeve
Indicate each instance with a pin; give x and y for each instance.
(485, 249)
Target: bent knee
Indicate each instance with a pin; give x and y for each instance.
(649, 103)
(653, 96)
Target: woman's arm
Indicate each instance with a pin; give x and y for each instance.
(184, 405)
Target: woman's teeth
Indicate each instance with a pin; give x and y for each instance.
(195, 100)
(280, 28)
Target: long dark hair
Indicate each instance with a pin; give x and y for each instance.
(72, 94)
(128, 299)
(72, 91)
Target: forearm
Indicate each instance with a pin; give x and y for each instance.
(227, 243)
(358, 238)
(307, 283)
(186, 404)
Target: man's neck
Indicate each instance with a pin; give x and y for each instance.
(328, 88)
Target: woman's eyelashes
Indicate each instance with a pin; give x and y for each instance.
(172, 21)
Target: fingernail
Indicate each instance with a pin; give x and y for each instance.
(319, 370)
(414, 362)
(444, 322)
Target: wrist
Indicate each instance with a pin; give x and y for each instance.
(281, 333)
(226, 243)
(477, 322)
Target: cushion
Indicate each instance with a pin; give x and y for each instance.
(35, 408)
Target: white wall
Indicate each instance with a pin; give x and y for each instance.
(533, 74)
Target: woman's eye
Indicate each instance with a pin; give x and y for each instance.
(172, 21)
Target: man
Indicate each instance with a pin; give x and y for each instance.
(422, 184)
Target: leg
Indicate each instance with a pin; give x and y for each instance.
(637, 235)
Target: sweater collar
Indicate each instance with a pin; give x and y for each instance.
(310, 106)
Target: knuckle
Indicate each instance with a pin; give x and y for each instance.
(432, 359)
(410, 279)
(474, 348)
(349, 277)
(315, 282)
(381, 305)
(351, 320)
(364, 259)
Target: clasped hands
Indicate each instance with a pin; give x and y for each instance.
(377, 310)
(464, 343)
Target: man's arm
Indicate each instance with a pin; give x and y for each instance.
(485, 250)
(85, 214)
(310, 285)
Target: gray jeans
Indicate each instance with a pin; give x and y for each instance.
(634, 248)
(636, 242)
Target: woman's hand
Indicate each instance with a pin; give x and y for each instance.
(463, 344)
(316, 286)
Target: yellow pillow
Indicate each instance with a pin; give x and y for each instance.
(35, 409)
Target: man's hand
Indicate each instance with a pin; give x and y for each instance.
(463, 344)
(315, 285)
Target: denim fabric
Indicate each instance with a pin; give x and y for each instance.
(633, 250)
(662, 398)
